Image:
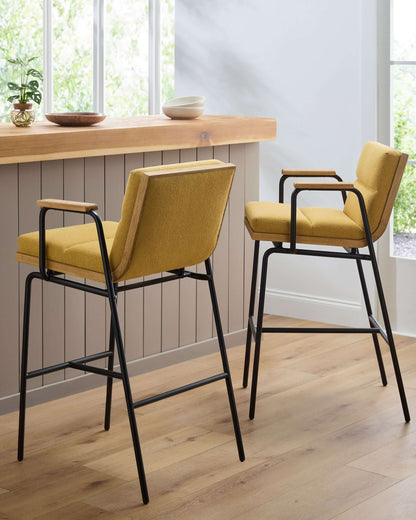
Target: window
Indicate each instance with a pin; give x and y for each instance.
(403, 117)
(96, 55)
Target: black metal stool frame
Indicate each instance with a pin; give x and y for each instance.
(116, 340)
(255, 330)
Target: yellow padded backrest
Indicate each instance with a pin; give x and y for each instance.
(379, 173)
(171, 217)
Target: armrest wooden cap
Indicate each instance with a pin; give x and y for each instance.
(309, 173)
(69, 205)
(324, 185)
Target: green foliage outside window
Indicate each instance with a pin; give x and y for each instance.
(72, 55)
(404, 127)
(17, 18)
(126, 47)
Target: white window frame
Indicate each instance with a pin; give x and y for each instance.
(154, 94)
(392, 63)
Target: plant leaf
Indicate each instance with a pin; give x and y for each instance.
(36, 96)
(14, 86)
(35, 73)
(33, 84)
(12, 98)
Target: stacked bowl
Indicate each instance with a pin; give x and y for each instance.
(188, 107)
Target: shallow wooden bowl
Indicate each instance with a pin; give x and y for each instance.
(75, 118)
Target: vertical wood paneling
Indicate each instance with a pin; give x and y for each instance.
(53, 296)
(95, 318)
(29, 193)
(170, 290)
(154, 319)
(252, 175)
(74, 189)
(152, 300)
(221, 254)
(187, 287)
(9, 273)
(236, 259)
(114, 193)
(133, 313)
(204, 319)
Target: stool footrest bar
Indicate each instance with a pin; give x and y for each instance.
(180, 389)
(327, 330)
(95, 370)
(66, 364)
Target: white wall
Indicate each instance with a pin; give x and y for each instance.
(311, 65)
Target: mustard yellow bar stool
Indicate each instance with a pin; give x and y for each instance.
(363, 219)
(171, 218)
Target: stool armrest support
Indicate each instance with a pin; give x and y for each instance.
(308, 173)
(286, 173)
(334, 186)
(67, 205)
(74, 207)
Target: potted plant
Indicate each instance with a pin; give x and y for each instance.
(27, 90)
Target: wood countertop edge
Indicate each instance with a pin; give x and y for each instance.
(46, 141)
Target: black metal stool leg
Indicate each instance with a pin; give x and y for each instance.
(256, 361)
(369, 313)
(224, 359)
(112, 300)
(111, 345)
(128, 396)
(251, 312)
(389, 334)
(23, 370)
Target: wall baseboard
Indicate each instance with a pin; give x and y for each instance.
(315, 308)
(139, 366)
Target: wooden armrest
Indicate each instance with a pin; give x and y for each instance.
(69, 205)
(309, 173)
(324, 185)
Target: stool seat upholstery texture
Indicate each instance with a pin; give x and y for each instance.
(72, 246)
(377, 182)
(313, 224)
(166, 223)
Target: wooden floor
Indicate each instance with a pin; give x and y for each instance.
(328, 442)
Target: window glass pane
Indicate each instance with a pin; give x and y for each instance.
(72, 55)
(126, 57)
(403, 82)
(403, 41)
(405, 215)
(167, 45)
(17, 18)
(403, 89)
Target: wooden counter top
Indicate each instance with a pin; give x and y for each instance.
(46, 141)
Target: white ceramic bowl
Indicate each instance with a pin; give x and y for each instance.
(189, 101)
(178, 112)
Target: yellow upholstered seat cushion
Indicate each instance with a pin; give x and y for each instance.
(75, 246)
(271, 218)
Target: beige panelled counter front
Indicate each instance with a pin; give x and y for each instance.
(162, 324)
